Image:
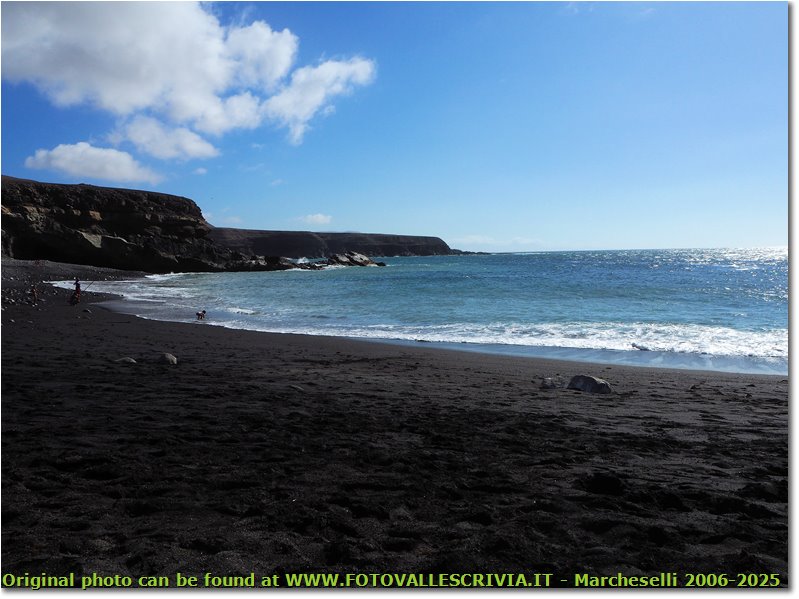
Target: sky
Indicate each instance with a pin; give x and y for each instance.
(495, 126)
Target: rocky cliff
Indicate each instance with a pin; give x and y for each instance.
(156, 232)
(299, 244)
(101, 226)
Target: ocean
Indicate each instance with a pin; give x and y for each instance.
(707, 309)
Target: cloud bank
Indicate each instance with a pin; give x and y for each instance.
(84, 160)
(170, 72)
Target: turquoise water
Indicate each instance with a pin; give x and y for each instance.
(705, 309)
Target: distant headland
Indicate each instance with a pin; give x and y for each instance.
(156, 232)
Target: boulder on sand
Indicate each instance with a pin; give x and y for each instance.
(589, 384)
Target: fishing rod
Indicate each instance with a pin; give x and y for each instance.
(76, 294)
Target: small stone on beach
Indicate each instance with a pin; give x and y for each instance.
(167, 359)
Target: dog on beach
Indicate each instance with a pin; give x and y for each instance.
(201, 315)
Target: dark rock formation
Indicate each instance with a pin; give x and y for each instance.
(352, 259)
(304, 244)
(155, 232)
(589, 384)
(100, 226)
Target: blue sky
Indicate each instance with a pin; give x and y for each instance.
(496, 126)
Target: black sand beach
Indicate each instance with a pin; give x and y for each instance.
(273, 454)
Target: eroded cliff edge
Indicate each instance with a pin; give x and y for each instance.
(299, 244)
(156, 232)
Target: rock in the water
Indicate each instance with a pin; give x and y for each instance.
(589, 384)
(351, 259)
(126, 360)
(167, 359)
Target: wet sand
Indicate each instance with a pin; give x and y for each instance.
(273, 453)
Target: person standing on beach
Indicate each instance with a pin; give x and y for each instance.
(75, 299)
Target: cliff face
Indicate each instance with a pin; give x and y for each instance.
(100, 226)
(156, 232)
(299, 244)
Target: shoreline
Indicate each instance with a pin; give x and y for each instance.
(274, 453)
(635, 356)
(55, 271)
(594, 357)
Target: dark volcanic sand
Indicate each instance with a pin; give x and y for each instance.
(278, 453)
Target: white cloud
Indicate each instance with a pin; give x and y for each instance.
(242, 111)
(174, 61)
(316, 219)
(85, 160)
(200, 171)
(311, 88)
(151, 137)
(263, 56)
(121, 57)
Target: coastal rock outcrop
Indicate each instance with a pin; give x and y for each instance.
(305, 244)
(352, 259)
(101, 226)
(156, 232)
